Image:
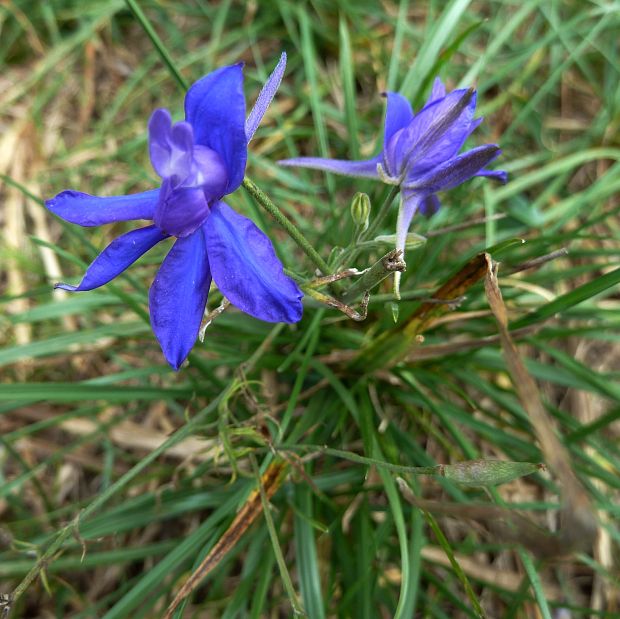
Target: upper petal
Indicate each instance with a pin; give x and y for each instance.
(170, 146)
(215, 107)
(116, 257)
(437, 132)
(86, 210)
(361, 169)
(455, 171)
(264, 98)
(178, 296)
(438, 91)
(398, 114)
(246, 269)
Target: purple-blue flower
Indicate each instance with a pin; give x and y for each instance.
(420, 152)
(200, 160)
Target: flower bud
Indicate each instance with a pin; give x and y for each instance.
(486, 472)
(360, 210)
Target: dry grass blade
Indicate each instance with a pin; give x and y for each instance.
(443, 350)
(579, 525)
(270, 481)
(452, 291)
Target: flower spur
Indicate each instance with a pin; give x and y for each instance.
(200, 160)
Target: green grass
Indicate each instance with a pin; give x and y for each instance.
(118, 476)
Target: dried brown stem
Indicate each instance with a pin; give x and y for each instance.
(579, 525)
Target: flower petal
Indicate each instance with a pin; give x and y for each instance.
(409, 203)
(246, 269)
(170, 146)
(360, 169)
(398, 114)
(438, 91)
(430, 205)
(215, 107)
(437, 133)
(181, 210)
(498, 175)
(264, 98)
(86, 210)
(116, 257)
(178, 296)
(455, 171)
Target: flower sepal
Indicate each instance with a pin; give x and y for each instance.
(412, 240)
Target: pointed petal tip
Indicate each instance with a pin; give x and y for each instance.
(53, 204)
(175, 364)
(470, 96)
(501, 176)
(63, 286)
(296, 311)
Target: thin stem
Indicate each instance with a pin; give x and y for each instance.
(330, 301)
(298, 610)
(157, 42)
(353, 457)
(290, 228)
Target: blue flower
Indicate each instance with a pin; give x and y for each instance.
(420, 152)
(200, 160)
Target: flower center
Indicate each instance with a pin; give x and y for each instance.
(194, 176)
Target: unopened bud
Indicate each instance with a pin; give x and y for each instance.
(360, 211)
(486, 472)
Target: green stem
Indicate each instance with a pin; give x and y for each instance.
(157, 42)
(298, 610)
(290, 228)
(388, 265)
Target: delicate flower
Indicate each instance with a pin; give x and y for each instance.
(419, 152)
(200, 160)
